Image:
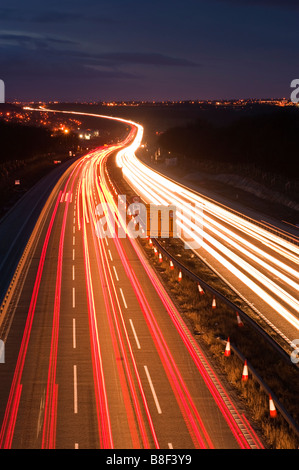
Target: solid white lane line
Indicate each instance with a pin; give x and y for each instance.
(115, 272)
(123, 297)
(135, 335)
(153, 390)
(74, 333)
(74, 297)
(75, 390)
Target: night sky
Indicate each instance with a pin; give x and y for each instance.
(98, 50)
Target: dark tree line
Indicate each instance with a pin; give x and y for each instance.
(269, 141)
(20, 142)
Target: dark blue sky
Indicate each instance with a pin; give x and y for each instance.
(155, 50)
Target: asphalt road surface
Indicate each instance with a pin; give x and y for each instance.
(96, 354)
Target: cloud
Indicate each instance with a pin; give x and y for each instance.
(106, 72)
(55, 17)
(267, 3)
(32, 40)
(135, 58)
(33, 56)
(51, 16)
(151, 58)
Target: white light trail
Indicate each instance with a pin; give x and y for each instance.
(254, 265)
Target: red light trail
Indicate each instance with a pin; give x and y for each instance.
(138, 388)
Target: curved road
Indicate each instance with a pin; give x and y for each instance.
(96, 354)
(261, 265)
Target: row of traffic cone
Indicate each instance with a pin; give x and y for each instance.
(160, 258)
(214, 305)
(200, 289)
(180, 276)
(239, 321)
(227, 352)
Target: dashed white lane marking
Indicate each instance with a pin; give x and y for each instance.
(135, 335)
(123, 297)
(74, 333)
(153, 390)
(115, 272)
(75, 390)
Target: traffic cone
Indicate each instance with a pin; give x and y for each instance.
(273, 412)
(227, 348)
(245, 372)
(150, 241)
(160, 258)
(201, 291)
(239, 321)
(214, 302)
(156, 251)
(171, 265)
(180, 276)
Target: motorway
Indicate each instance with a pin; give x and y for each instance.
(17, 224)
(96, 353)
(259, 264)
